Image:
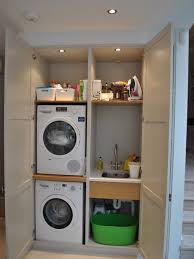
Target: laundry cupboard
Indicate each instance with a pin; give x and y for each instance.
(146, 129)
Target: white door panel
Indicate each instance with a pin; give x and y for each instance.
(20, 218)
(155, 157)
(17, 154)
(19, 193)
(156, 145)
(157, 80)
(17, 77)
(152, 232)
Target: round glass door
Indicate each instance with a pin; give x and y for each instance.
(59, 138)
(57, 213)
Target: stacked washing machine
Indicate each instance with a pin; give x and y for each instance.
(61, 136)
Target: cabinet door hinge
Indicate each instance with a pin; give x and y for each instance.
(170, 197)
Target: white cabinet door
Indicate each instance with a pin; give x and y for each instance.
(19, 209)
(156, 145)
(17, 77)
(158, 78)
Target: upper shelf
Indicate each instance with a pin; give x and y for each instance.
(118, 102)
(61, 102)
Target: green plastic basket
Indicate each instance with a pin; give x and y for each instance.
(114, 229)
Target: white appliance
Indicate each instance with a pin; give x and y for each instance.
(61, 133)
(59, 212)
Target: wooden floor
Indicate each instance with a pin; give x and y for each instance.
(2, 238)
(45, 255)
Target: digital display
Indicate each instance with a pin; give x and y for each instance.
(61, 109)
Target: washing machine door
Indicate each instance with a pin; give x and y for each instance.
(58, 213)
(60, 137)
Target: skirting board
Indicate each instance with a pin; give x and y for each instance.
(84, 249)
(25, 249)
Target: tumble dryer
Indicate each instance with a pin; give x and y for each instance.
(61, 131)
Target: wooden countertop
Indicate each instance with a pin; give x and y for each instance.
(60, 102)
(118, 102)
(59, 178)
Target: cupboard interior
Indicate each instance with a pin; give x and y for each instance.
(119, 125)
(107, 125)
(127, 207)
(113, 124)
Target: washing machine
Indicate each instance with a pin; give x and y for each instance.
(59, 211)
(61, 131)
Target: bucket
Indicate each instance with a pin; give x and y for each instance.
(134, 169)
(114, 229)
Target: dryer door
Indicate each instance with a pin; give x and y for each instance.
(57, 213)
(60, 137)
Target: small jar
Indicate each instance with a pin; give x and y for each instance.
(125, 95)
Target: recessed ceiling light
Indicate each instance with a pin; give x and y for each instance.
(117, 49)
(112, 11)
(31, 16)
(61, 50)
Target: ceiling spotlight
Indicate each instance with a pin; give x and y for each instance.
(117, 49)
(31, 16)
(61, 50)
(112, 11)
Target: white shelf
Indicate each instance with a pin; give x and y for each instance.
(97, 177)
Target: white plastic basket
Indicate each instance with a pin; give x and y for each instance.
(45, 94)
(67, 94)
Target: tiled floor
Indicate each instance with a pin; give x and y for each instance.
(44, 255)
(2, 238)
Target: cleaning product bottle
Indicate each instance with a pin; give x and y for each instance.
(81, 89)
(100, 164)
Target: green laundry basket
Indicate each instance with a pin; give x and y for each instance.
(114, 229)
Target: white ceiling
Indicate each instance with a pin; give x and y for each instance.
(144, 17)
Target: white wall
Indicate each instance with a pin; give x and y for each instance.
(118, 125)
(68, 72)
(39, 76)
(112, 71)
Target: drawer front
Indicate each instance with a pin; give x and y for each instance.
(120, 191)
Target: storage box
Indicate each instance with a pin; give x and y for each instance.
(45, 94)
(96, 89)
(67, 94)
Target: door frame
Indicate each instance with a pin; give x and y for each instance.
(174, 212)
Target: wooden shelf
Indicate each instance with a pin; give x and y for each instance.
(59, 178)
(60, 102)
(121, 191)
(118, 102)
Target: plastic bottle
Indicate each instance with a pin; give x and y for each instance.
(100, 164)
(81, 89)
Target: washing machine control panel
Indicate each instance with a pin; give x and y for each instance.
(58, 187)
(65, 109)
